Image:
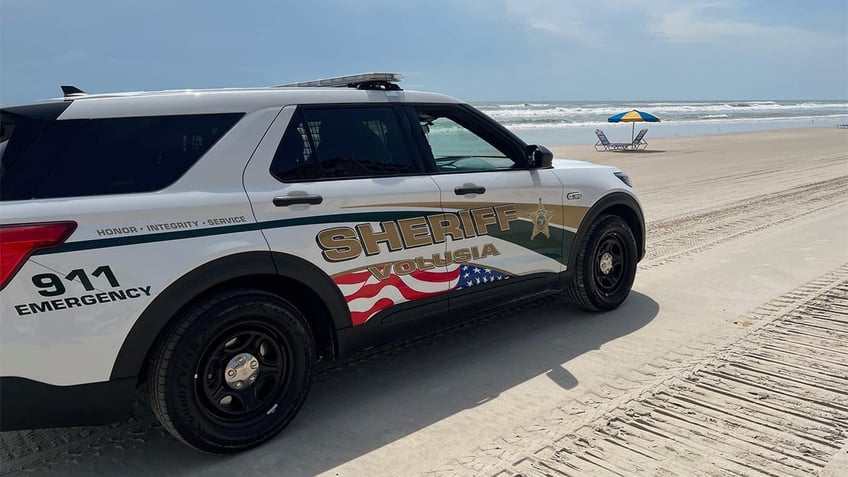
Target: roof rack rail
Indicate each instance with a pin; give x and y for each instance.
(379, 81)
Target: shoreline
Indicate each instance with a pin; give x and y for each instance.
(833, 134)
(616, 132)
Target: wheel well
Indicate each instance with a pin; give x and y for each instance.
(629, 216)
(301, 296)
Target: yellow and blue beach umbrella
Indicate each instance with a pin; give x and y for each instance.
(633, 116)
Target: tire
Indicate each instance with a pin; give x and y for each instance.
(605, 266)
(209, 398)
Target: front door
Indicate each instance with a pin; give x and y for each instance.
(509, 217)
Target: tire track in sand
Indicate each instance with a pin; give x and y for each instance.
(684, 235)
(774, 402)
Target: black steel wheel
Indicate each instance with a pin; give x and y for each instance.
(609, 263)
(242, 371)
(605, 266)
(233, 371)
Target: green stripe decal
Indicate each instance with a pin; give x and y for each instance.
(519, 234)
(149, 238)
(230, 229)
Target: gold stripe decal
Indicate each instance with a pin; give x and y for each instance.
(563, 215)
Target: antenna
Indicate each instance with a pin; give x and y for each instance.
(72, 91)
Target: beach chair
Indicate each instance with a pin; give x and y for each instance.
(604, 144)
(639, 141)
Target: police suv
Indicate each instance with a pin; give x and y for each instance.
(208, 248)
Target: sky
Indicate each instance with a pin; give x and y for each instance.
(476, 50)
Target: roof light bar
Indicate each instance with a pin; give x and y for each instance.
(343, 81)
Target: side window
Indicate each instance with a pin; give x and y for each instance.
(458, 148)
(344, 142)
(47, 159)
(295, 160)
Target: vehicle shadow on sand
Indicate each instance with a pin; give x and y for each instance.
(377, 399)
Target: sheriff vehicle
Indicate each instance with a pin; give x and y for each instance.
(210, 247)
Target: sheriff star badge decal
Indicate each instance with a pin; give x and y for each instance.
(541, 220)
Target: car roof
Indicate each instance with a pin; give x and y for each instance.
(222, 100)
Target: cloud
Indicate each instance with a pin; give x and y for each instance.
(551, 16)
(718, 22)
(555, 18)
(715, 23)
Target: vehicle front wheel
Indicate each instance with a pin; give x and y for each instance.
(233, 371)
(605, 266)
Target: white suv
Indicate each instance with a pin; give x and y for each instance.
(211, 246)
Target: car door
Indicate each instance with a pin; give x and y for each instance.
(344, 188)
(508, 216)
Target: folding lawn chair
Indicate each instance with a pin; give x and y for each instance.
(604, 144)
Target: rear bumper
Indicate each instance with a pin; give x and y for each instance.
(28, 404)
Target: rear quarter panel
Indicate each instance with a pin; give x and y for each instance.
(147, 241)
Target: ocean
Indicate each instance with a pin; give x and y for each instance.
(574, 122)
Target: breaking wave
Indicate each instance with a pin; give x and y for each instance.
(552, 114)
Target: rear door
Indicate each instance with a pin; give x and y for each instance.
(508, 217)
(344, 188)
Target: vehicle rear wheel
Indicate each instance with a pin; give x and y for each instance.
(605, 266)
(233, 371)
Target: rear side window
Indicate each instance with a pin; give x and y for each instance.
(295, 160)
(47, 159)
(344, 143)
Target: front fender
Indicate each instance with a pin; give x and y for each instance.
(615, 203)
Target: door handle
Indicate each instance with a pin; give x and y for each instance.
(297, 199)
(469, 189)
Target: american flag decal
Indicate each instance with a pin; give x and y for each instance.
(474, 275)
(366, 295)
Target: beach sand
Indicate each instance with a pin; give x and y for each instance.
(729, 355)
(686, 173)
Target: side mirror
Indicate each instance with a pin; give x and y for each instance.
(539, 157)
